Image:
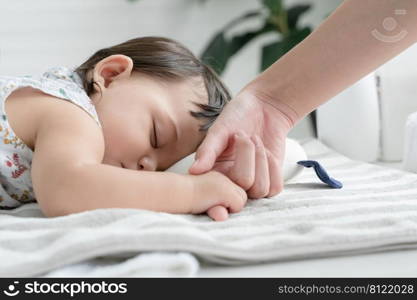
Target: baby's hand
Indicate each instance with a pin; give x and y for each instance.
(216, 194)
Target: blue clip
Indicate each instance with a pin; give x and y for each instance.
(321, 173)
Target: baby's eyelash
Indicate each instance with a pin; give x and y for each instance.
(154, 133)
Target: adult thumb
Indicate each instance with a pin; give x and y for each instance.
(212, 146)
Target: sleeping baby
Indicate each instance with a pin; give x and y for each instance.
(132, 111)
(140, 106)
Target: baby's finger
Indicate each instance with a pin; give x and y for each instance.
(218, 213)
(243, 170)
(260, 188)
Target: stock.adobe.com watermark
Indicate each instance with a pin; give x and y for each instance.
(71, 289)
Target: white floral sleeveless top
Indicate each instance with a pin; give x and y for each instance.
(15, 156)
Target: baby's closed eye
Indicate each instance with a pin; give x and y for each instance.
(154, 135)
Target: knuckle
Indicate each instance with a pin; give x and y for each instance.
(248, 142)
(239, 200)
(245, 182)
(260, 149)
(259, 191)
(244, 197)
(238, 207)
(244, 138)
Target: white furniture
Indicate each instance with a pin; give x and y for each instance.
(398, 99)
(410, 144)
(367, 120)
(350, 122)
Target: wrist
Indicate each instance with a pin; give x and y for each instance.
(273, 105)
(178, 194)
(191, 186)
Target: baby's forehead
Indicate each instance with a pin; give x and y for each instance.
(198, 87)
(194, 85)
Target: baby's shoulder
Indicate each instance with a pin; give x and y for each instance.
(29, 109)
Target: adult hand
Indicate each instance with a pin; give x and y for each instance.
(319, 68)
(262, 127)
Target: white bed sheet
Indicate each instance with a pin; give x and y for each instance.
(375, 211)
(382, 264)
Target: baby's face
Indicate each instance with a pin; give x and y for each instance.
(146, 121)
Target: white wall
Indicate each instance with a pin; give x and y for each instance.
(35, 35)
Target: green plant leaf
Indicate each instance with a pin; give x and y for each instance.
(217, 53)
(274, 6)
(294, 13)
(219, 49)
(248, 15)
(271, 53)
(239, 41)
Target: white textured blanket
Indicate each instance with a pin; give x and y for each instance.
(376, 210)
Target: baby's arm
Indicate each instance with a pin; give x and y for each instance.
(104, 186)
(68, 176)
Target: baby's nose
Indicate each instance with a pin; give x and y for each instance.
(146, 164)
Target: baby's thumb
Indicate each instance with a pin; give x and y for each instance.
(218, 213)
(206, 155)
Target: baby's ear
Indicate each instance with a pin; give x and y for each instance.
(112, 68)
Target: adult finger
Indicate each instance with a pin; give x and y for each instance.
(212, 146)
(243, 171)
(275, 175)
(260, 187)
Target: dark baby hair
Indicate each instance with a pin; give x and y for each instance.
(168, 60)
